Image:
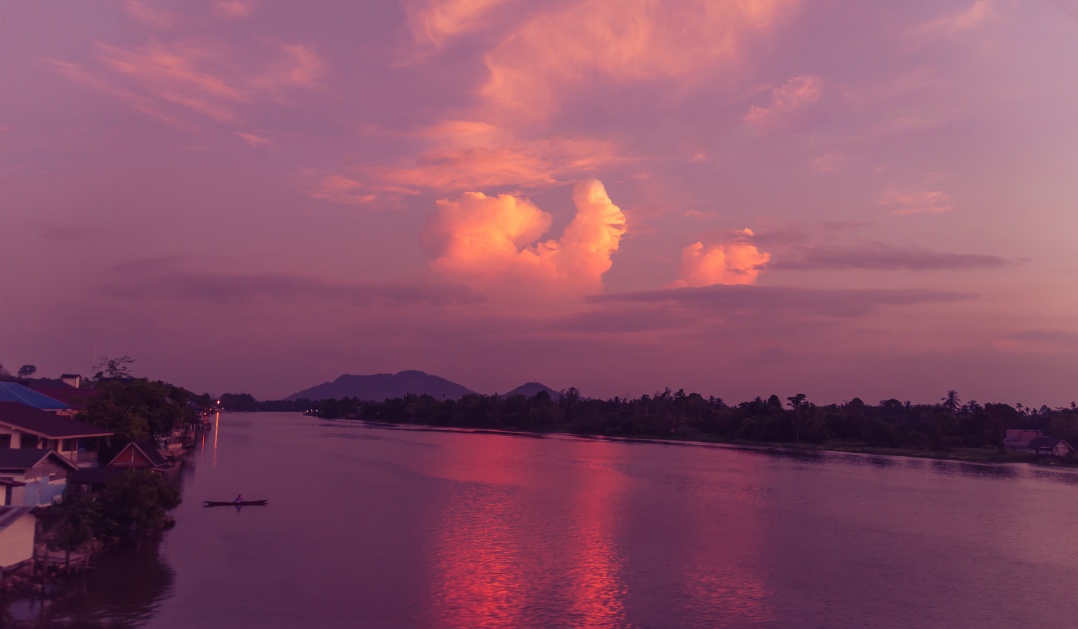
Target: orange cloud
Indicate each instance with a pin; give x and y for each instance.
(625, 41)
(490, 243)
(435, 21)
(739, 262)
(467, 154)
(795, 94)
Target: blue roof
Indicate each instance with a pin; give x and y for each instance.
(15, 392)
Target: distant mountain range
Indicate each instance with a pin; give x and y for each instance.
(384, 386)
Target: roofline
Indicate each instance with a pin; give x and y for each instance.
(46, 455)
(48, 436)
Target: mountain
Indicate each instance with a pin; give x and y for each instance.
(383, 386)
(529, 389)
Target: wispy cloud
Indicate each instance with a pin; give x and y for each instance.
(787, 100)
(184, 81)
(726, 300)
(436, 21)
(969, 18)
(884, 257)
(557, 52)
(904, 202)
(167, 279)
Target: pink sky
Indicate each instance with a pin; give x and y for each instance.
(837, 198)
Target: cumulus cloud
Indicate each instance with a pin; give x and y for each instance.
(786, 101)
(561, 50)
(491, 242)
(738, 262)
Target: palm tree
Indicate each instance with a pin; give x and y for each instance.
(951, 402)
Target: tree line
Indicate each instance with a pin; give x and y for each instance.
(943, 426)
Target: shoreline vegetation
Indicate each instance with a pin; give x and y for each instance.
(950, 429)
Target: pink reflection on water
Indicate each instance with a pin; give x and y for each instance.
(598, 591)
(489, 567)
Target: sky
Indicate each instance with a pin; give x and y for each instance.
(838, 198)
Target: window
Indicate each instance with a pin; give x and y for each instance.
(5, 441)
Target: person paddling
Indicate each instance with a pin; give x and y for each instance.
(239, 498)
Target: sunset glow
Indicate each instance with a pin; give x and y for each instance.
(736, 198)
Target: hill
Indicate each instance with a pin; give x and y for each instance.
(383, 386)
(529, 389)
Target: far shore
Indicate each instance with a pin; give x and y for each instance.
(987, 456)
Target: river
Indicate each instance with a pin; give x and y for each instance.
(371, 526)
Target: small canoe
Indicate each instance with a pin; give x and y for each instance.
(233, 503)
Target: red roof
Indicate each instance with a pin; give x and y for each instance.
(46, 424)
(60, 390)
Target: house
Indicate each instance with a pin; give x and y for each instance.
(1050, 446)
(71, 379)
(24, 427)
(1019, 438)
(142, 455)
(41, 473)
(17, 526)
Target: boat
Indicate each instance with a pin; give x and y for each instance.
(234, 503)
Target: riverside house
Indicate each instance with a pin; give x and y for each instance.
(32, 477)
(1052, 446)
(22, 426)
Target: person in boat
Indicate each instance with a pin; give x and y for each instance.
(239, 498)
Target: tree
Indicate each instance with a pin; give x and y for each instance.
(139, 501)
(114, 367)
(951, 401)
(796, 403)
(27, 370)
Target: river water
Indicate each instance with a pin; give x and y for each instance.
(370, 526)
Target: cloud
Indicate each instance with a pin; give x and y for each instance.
(750, 300)
(436, 21)
(738, 262)
(905, 202)
(235, 9)
(490, 242)
(786, 100)
(469, 155)
(175, 79)
(967, 19)
(154, 16)
(256, 141)
(1053, 338)
(165, 278)
(559, 52)
(883, 257)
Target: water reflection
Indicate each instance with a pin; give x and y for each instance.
(138, 579)
(598, 591)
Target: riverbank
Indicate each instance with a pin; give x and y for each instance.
(988, 456)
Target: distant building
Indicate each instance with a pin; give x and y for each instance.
(71, 379)
(1050, 446)
(1019, 438)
